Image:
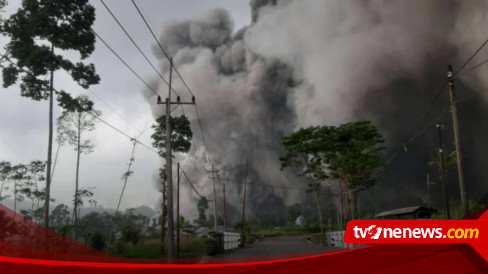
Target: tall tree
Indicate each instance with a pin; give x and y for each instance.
(78, 118)
(180, 138)
(181, 142)
(351, 153)
(30, 188)
(37, 31)
(60, 216)
(202, 207)
(5, 170)
(36, 169)
(302, 154)
(18, 176)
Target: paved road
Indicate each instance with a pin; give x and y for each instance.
(274, 246)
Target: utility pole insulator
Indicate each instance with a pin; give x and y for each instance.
(178, 100)
(159, 100)
(193, 99)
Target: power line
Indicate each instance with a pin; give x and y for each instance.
(161, 46)
(113, 110)
(471, 69)
(123, 133)
(395, 153)
(196, 191)
(471, 58)
(412, 135)
(201, 128)
(125, 63)
(137, 46)
(176, 70)
(92, 113)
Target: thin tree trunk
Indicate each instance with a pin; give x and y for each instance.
(49, 147)
(15, 199)
(353, 194)
(55, 161)
(346, 206)
(77, 175)
(319, 210)
(127, 174)
(1, 190)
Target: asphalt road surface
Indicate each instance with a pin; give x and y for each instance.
(282, 245)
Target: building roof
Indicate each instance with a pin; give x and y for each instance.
(404, 211)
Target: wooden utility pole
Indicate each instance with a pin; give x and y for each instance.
(244, 199)
(457, 138)
(169, 169)
(178, 212)
(443, 171)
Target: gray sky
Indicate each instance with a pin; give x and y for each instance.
(24, 124)
(343, 55)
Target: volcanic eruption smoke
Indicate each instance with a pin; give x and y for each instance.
(303, 63)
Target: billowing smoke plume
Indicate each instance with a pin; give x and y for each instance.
(302, 63)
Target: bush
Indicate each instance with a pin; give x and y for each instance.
(97, 240)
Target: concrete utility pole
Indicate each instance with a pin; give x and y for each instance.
(169, 169)
(178, 212)
(428, 190)
(215, 197)
(443, 171)
(169, 166)
(244, 200)
(457, 138)
(225, 211)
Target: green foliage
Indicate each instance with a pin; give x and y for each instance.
(190, 247)
(202, 207)
(77, 118)
(456, 211)
(97, 240)
(349, 152)
(181, 134)
(82, 195)
(5, 170)
(353, 153)
(450, 159)
(65, 25)
(60, 216)
(130, 233)
(131, 227)
(303, 153)
(94, 222)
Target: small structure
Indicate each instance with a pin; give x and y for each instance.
(300, 220)
(413, 212)
(336, 239)
(226, 240)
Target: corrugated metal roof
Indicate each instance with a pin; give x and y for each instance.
(402, 211)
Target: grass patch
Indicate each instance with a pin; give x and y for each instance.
(290, 229)
(191, 247)
(318, 239)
